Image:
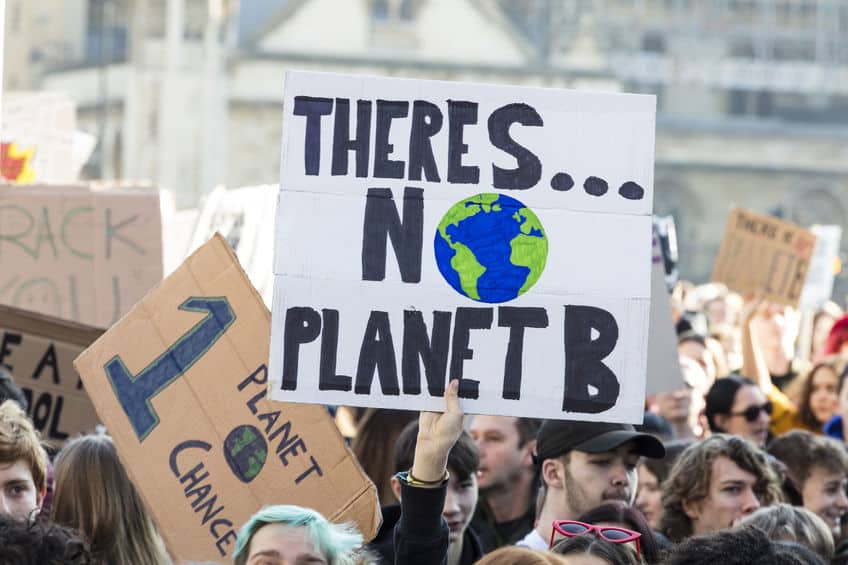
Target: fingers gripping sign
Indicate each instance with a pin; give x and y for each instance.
(437, 434)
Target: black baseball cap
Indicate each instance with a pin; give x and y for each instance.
(558, 437)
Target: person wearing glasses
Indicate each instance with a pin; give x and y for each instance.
(584, 464)
(714, 484)
(736, 405)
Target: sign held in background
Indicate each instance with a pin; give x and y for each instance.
(428, 230)
(39, 351)
(78, 252)
(181, 383)
(818, 287)
(664, 374)
(761, 254)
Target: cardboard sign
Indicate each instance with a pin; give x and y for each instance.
(818, 287)
(664, 373)
(764, 254)
(39, 351)
(180, 383)
(497, 235)
(245, 217)
(77, 252)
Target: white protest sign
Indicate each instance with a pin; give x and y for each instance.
(664, 373)
(499, 235)
(245, 217)
(818, 286)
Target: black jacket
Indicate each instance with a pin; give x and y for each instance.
(415, 533)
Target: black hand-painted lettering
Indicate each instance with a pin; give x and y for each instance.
(313, 109)
(529, 169)
(584, 357)
(377, 354)
(342, 143)
(426, 122)
(302, 326)
(9, 339)
(48, 360)
(382, 220)
(595, 186)
(327, 377)
(467, 319)
(516, 319)
(562, 182)
(460, 114)
(432, 351)
(631, 191)
(387, 110)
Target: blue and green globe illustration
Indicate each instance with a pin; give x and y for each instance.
(491, 248)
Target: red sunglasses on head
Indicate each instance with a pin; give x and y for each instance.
(572, 528)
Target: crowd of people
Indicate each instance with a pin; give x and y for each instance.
(745, 463)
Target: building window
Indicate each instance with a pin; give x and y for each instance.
(393, 10)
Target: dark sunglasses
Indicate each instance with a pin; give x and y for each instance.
(572, 528)
(751, 413)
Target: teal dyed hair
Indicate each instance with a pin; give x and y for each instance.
(335, 542)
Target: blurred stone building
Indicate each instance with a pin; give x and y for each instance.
(752, 95)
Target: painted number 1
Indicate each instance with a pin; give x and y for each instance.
(136, 392)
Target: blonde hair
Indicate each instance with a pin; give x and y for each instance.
(19, 441)
(513, 555)
(785, 522)
(94, 496)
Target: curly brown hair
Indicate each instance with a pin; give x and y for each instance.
(691, 475)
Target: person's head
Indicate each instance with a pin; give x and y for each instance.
(741, 546)
(23, 464)
(652, 475)
(463, 462)
(715, 310)
(10, 390)
(736, 405)
(512, 555)
(589, 549)
(683, 407)
(714, 484)
(584, 464)
(823, 321)
(790, 523)
(820, 393)
(26, 542)
(694, 346)
(818, 467)
(622, 515)
(94, 496)
(286, 534)
(506, 445)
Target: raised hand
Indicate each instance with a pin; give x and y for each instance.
(437, 434)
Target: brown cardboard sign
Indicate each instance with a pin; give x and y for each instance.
(39, 351)
(80, 253)
(764, 254)
(180, 382)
